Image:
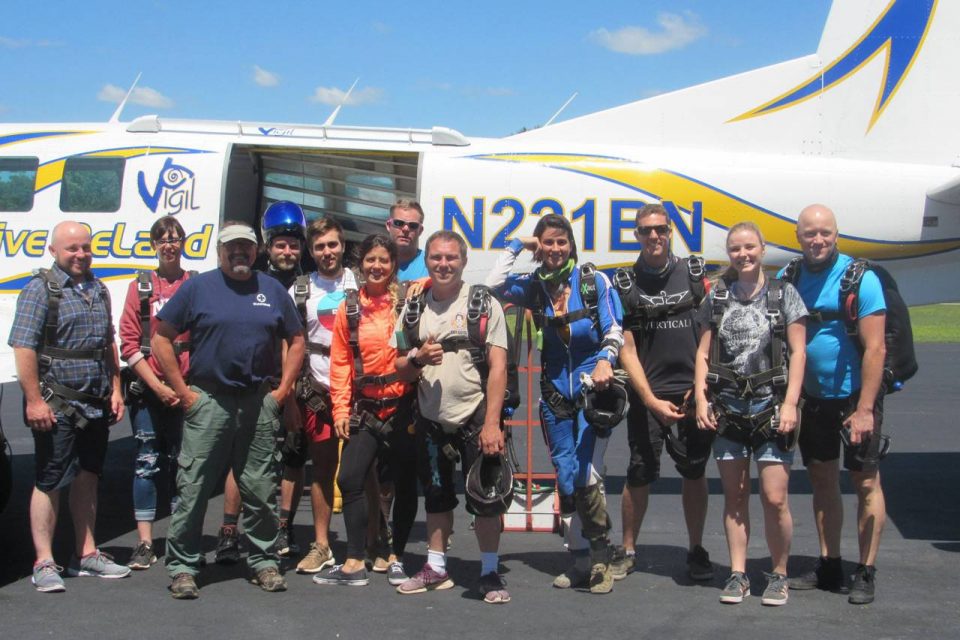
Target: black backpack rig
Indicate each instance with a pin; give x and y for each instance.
(475, 343)
(132, 385)
(318, 402)
(561, 407)
(639, 309)
(900, 363)
(756, 429)
(54, 394)
(364, 415)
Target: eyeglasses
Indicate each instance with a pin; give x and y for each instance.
(400, 224)
(661, 229)
(163, 241)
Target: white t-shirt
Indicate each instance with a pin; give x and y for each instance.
(450, 392)
(326, 294)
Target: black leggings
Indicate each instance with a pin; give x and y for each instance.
(359, 455)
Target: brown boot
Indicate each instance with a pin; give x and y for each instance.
(601, 576)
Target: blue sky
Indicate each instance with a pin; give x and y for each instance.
(485, 68)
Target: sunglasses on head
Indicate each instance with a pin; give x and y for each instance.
(661, 229)
(400, 224)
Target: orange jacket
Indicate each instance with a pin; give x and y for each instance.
(377, 320)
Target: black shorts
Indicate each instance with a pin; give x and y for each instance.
(820, 424)
(436, 469)
(65, 450)
(645, 438)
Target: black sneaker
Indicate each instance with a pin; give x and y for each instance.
(228, 546)
(143, 556)
(284, 540)
(698, 564)
(864, 583)
(826, 575)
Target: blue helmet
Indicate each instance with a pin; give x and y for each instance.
(283, 218)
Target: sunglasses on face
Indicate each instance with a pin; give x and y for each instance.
(661, 229)
(400, 224)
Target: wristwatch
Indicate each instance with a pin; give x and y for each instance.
(414, 361)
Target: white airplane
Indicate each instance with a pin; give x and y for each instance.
(866, 125)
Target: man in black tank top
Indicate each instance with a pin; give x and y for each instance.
(661, 298)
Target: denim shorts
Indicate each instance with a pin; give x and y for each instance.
(727, 449)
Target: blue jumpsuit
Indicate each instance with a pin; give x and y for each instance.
(564, 359)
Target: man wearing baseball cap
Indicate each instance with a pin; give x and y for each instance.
(236, 317)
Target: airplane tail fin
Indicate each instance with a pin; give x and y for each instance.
(881, 86)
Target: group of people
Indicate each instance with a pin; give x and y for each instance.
(388, 376)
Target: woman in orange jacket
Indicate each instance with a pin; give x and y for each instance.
(372, 411)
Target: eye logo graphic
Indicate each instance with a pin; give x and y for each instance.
(174, 191)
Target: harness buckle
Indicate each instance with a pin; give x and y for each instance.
(144, 287)
(352, 309)
(477, 305)
(46, 393)
(301, 289)
(412, 314)
(44, 360)
(622, 280)
(54, 287)
(695, 266)
(713, 378)
(779, 380)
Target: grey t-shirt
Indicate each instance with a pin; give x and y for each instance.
(744, 331)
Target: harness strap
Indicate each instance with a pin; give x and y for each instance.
(144, 291)
(638, 311)
(375, 381)
(316, 348)
(719, 376)
(48, 388)
(562, 408)
(448, 443)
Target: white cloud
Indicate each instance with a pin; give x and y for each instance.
(144, 96)
(491, 92)
(676, 32)
(13, 43)
(20, 43)
(265, 78)
(334, 96)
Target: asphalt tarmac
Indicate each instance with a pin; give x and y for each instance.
(917, 579)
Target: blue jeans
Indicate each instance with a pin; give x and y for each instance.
(157, 430)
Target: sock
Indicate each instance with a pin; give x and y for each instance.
(489, 561)
(231, 519)
(631, 553)
(437, 560)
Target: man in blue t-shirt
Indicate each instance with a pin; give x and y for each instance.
(842, 389)
(405, 225)
(236, 318)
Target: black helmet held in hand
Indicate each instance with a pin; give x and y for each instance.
(489, 486)
(604, 408)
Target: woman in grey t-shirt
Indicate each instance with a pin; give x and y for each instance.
(744, 336)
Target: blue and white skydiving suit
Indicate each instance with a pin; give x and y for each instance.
(567, 352)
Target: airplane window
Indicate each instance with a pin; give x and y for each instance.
(92, 184)
(18, 177)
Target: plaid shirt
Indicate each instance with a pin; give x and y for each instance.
(83, 322)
